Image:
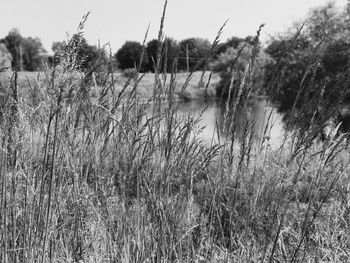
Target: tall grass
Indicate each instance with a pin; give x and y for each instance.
(114, 178)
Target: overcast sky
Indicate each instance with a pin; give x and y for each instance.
(116, 21)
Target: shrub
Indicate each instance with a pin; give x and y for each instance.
(130, 72)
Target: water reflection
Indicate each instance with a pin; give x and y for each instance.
(260, 113)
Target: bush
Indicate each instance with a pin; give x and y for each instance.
(130, 73)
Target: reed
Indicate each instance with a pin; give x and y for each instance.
(117, 178)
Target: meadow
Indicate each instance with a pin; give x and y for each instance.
(195, 88)
(87, 175)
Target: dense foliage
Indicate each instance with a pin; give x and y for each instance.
(5, 57)
(169, 51)
(189, 54)
(310, 69)
(240, 61)
(194, 51)
(129, 55)
(88, 56)
(27, 53)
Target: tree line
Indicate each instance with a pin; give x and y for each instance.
(28, 54)
(20, 53)
(304, 71)
(309, 71)
(306, 68)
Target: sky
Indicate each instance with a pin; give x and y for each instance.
(116, 21)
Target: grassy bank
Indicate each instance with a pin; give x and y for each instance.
(196, 87)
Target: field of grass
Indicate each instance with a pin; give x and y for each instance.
(196, 88)
(83, 182)
(87, 175)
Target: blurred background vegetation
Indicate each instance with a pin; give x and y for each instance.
(306, 63)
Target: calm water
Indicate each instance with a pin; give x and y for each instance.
(213, 118)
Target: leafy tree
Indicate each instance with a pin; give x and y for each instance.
(326, 24)
(234, 61)
(88, 56)
(336, 57)
(291, 68)
(152, 49)
(27, 53)
(335, 63)
(169, 54)
(32, 54)
(129, 55)
(58, 48)
(197, 49)
(5, 57)
(310, 73)
(13, 43)
(233, 42)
